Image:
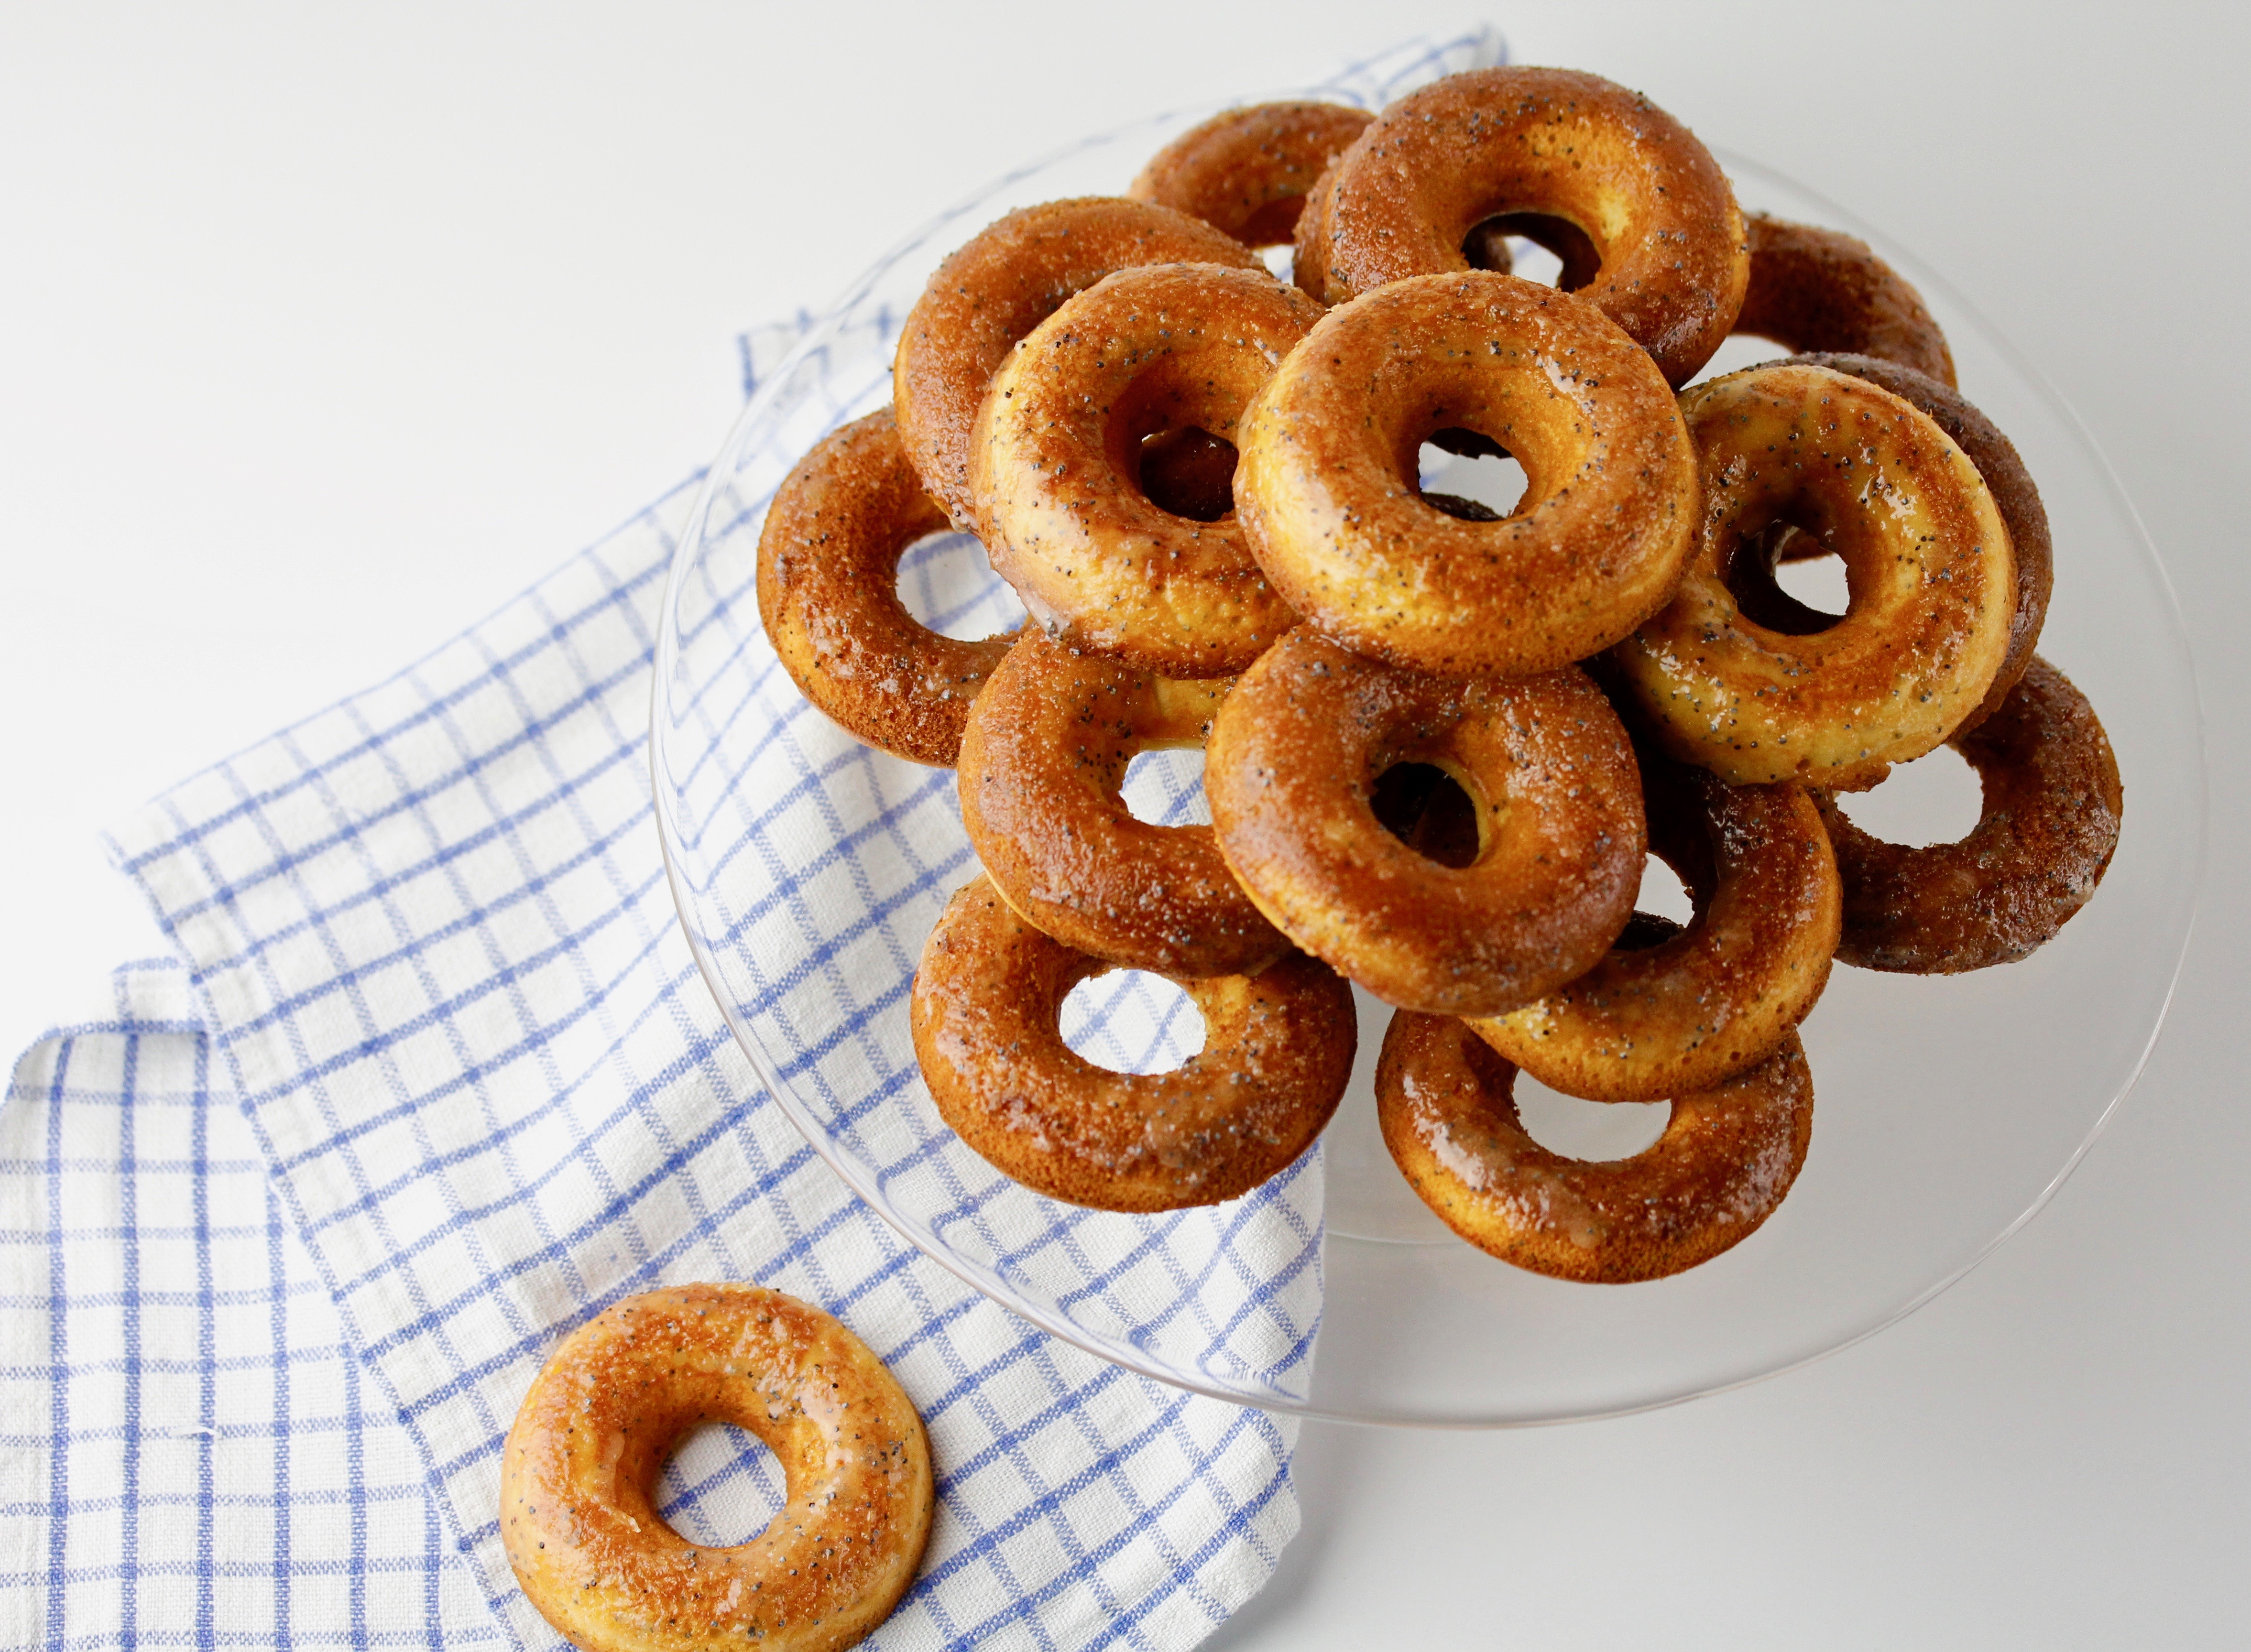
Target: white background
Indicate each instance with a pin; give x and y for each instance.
(324, 330)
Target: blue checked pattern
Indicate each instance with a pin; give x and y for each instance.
(192, 1455)
(287, 1235)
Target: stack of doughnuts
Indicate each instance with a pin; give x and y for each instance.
(1441, 739)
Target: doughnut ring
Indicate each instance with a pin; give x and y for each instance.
(1814, 289)
(998, 287)
(1309, 249)
(578, 1476)
(1927, 558)
(1295, 755)
(828, 565)
(1246, 172)
(1055, 465)
(1278, 1050)
(1632, 187)
(1670, 1011)
(1330, 505)
(2043, 840)
(1046, 750)
(2015, 495)
(1486, 247)
(1444, 1101)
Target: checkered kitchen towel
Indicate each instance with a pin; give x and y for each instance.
(285, 1234)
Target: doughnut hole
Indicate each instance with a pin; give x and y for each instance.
(1188, 472)
(721, 1486)
(1736, 352)
(1779, 588)
(1537, 246)
(1171, 432)
(947, 583)
(1937, 798)
(1430, 811)
(1130, 1021)
(1589, 1130)
(1664, 895)
(1273, 224)
(1818, 582)
(1469, 476)
(1486, 246)
(1164, 786)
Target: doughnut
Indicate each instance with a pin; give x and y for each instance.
(1246, 172)
(1295, 754)
(2015, 495)
(1046, 751)
(1309, 245)
(1444, 1101)
(987, 994)
(1623, 187)
(1056, 468)
(1815, 289)
(1670, 1011)
(1002, 284)
(1486, 247)
(1927, 558)
(1327, 495)
(578, 1477)
(828, 566)
(2043, 840)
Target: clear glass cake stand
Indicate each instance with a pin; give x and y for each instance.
(1950, 1109)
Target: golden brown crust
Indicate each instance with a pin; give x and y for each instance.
(1716, 997)
(1633, 181)
(1932, 577)
(1817, 290)
(1444, 1101)
(2015, 495)
(1056, 465)
(988, 995)
(1002, 284)
(2043, 840)
(1309, 249)
(580, 1471)
(828, 565)
(1046, 751)
(1245, 172)
(1295, 755)
(1330, 504)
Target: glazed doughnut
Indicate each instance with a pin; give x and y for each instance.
(1670, 1014)
(1246, 172)
(1932, 578)
(1444, 1100)
(1630, 184)
(1055, 465)
(1005, 281)
(1814, 289)
(580, 1471)
(2015, 495)
(1327, 495)
(828, 566)
(1047, 749)
(1277, 1049)
(2043, 840)
(1295, 755)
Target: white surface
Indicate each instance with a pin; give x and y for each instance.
(474, 273)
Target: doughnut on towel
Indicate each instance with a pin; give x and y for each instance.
(579, 1472)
